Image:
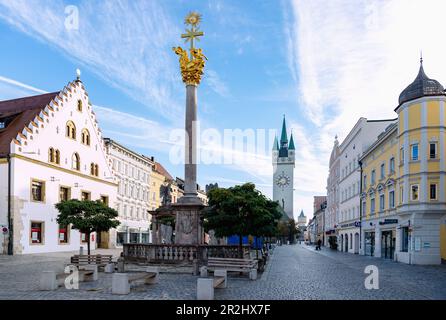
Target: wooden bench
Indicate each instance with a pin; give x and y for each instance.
(206, 286)
(121, 281)
(232, 264)
(98, 259)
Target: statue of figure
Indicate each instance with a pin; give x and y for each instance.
(191, 69)
(166, 198)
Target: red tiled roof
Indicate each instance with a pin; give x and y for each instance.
(161, 170)
(22, 110)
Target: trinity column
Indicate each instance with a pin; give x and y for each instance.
(188, 226)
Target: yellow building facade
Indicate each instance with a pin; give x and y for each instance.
(403, 199)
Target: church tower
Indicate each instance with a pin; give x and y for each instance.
(283, 171)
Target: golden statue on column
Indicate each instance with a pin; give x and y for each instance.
(191, 67)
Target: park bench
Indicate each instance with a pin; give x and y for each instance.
(206, 286)
(233, 264)
(98, 259)
(121, 281)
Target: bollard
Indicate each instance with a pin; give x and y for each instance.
(121, 265)
(48, 280)
(203, 272)
(120, 283)
(81, 251)
(195, 267)
(109, 268)
(205, 289)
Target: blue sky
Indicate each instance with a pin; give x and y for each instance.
(322, 63)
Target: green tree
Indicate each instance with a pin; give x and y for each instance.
(86, 216)
(242, 211)
(288, 229)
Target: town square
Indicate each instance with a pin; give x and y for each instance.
(203, 150)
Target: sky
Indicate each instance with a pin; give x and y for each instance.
(323, 64)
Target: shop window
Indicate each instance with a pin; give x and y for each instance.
(433, 192)
(36, 232)
(414, 192)
(63, 234)
(405, 239)
(64, 193)
(38, 191)
(85, 195)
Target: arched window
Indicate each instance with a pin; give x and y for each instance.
(71, 130)
(57, 157)
(76, 162)
(96, 170)
(85, 137)
(92, 169)
(79, 105)
(51, 155)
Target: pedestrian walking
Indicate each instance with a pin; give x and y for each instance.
(319, 243)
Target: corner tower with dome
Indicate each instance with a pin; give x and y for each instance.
(403, 196)
(283, 171)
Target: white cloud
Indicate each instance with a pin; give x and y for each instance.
(127, 43)
(214, 81)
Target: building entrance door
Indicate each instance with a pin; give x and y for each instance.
(388, 244)
(369, 245)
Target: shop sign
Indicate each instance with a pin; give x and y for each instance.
(353, 224)
(388, 221)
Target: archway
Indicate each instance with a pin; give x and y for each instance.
(356, 243)
(346, 242)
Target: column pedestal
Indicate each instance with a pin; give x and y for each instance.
(188, 227)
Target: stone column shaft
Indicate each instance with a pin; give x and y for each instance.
(190, 168)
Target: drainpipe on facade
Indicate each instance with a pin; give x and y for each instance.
(10, 239)
(360, 208)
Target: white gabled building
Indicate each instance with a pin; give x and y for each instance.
(51, 149)
(132, 172)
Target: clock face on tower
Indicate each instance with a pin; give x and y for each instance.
(283, 180)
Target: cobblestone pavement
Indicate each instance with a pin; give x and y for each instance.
(293, 272)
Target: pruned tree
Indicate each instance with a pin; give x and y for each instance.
(242, 211)
(87, 216)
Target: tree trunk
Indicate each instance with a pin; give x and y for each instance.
(240, 248)
(88, 242)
